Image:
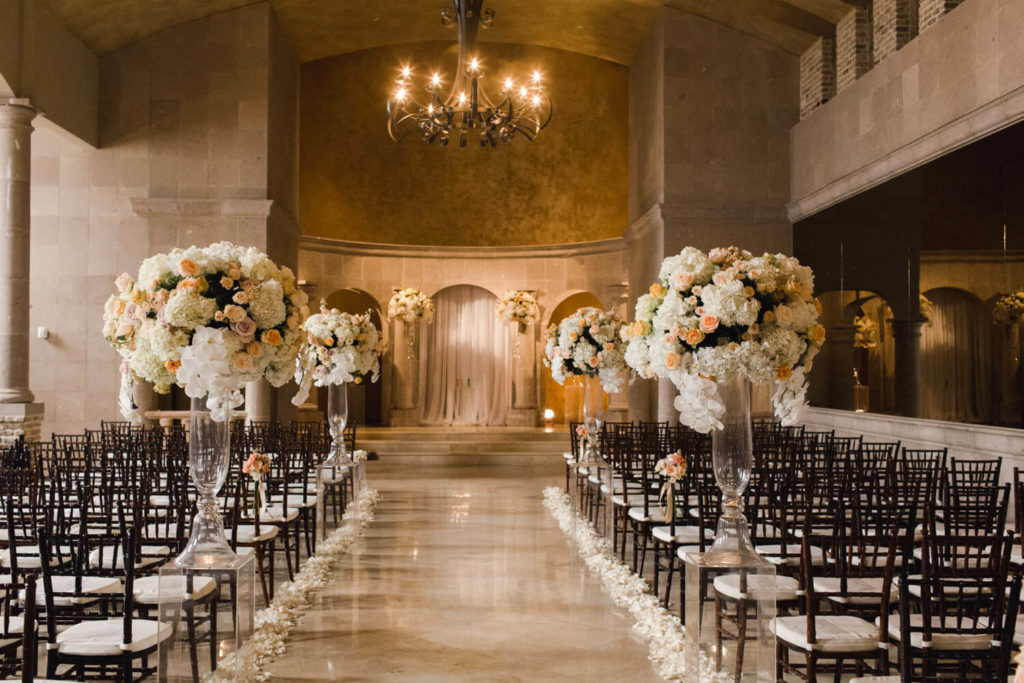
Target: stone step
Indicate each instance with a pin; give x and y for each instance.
(485, 446)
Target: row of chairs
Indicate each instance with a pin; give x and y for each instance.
(89, 519)
(818, 505)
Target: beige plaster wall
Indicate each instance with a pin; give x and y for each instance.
(960, 80)
(184, 160)
(358, 184)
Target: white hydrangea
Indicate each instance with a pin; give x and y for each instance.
(730, 304)
(267, 308)
(188, 309)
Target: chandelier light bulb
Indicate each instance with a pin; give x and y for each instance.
(435, 80)
(400, 95)
(536, 76)
(462, 98)
(474, 65)
(509, 85)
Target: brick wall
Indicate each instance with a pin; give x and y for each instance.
(895, 24)
(817, 75)
(930, 11)
(853, 46)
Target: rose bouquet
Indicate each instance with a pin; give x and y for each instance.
(866, 334)
(726, 314)
(411, 305)
(673, 468)
(209, 320)
(518, 307)
(257, 466)
(1009, 308)
(339, 348)
(587, 343)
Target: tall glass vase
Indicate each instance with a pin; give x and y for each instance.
(732, 450)
(209, 457)
(334, 467)
(594, 485)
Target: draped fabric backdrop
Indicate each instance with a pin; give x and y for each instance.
(957, 364)
(465, 374)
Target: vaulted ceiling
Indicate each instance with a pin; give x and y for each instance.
(608, 29)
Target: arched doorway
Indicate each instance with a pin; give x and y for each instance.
(366, 400)
(564, 401)
(957, 360)
(465, 370)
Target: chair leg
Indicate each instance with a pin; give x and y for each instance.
(193, 645)
(213, 633)
(741, 636)
(263, 574)
(670, 571)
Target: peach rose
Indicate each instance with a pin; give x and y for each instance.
(818, 306)
(187, 267)
(817, 334)
(240, 298)
(189, 283)
(784, 315)
(718, 255)
(242, 361)
(658, 291)
(272, 337)
(124, 282)
(708, 324)
(683, 281)
(594, 361)
(253, 348)
(673, 360)
(694, 336)
(234, 313)
(769, 316)
(226, 282)
(172, 366)
(784, 373)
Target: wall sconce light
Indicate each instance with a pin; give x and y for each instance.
(549, 418)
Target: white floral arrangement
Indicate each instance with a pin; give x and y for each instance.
(589, 343)
(866, 332)
(339, 348)
(724, 314)
(209, 319)
(1009, 308)
(927, 309)
(517, 307)
(411, 304)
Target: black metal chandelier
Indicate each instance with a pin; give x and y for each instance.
(466, 111)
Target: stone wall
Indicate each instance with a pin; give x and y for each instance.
(930, 11)
(183, 160)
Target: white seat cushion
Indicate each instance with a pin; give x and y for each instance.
(114, 557)
(160, 501)
(94, 585)
(28, 557)
(629, 500)
(876, 679)
(104, 638)
(940, 641)
(786, 587)
(830, 586)
(772, 554)
(568, 456)
(654, 514)
(683, 534)
(151, 590)
(834, 633)
(274, 514)
(247, 533)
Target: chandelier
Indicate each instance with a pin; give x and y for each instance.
(466, 110)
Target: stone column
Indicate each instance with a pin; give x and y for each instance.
(667, 393)
(20, 415)
(842, 361)
(258, 401)
(524, 378)
(907, 340)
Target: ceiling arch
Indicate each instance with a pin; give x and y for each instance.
(607, 29)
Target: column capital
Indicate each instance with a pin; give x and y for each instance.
(16, 111)
(907, 327)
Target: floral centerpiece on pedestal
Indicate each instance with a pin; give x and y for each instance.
(339, 348)
(518, 307)
(866, 332)
(1009, 308)
(411, 305)
(722, 314)
(587, 343)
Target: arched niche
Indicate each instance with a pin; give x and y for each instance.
(565, 400)
(365, 400)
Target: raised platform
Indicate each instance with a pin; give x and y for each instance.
(464, 446)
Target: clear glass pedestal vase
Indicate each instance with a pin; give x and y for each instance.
(211, 611)
(731, 589)
(334, 471)
(593, 490)
(209, 460)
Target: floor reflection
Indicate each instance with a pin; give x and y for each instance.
(463, 576)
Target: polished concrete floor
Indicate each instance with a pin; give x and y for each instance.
(463, 576)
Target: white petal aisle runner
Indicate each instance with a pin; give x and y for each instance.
(275, 623)
(662, 631)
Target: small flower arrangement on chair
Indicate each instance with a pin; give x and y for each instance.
(257, 466)
(673, 468)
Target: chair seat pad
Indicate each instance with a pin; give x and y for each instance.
(785, 587)
(28, 557)
(835, 633)
(151, 590)
(683, 534)
(109, 557)
(160, 501)
(92, 586)
(653, 514)
(946, 640)
(274, 514)
(628, 500)
(569, 457)
(830, 587)
(104, 638)
(247, 533)
(876, 679)
(772, 553)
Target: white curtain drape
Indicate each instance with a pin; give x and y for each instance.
(957, 364)
(465, 375)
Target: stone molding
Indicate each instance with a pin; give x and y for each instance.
(987, 119)
(233, 208)
(335, 246)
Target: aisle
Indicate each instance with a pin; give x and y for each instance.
(463, 576)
